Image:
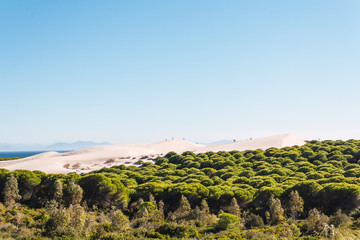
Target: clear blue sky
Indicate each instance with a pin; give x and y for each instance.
(141, 71)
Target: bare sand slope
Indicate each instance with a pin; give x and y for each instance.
(278, 141)
(93, 158)
(89, 159)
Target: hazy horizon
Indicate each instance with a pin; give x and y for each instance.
(144, 71)
(211, 141)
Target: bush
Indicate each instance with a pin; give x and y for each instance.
(316, 223)
(254, 221)
(226, 221)
(340, 219)
(179, 231)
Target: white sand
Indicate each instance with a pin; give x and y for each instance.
(279, 141)
(89, 159)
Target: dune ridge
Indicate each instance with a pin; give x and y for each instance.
(93, 158)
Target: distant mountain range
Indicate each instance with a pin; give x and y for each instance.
(54, 147)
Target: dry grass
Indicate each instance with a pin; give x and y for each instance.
(346, 234)
(67, 166)
(76, 166)
(111, 160)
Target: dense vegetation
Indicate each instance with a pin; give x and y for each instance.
(307, 192)
(9, 158)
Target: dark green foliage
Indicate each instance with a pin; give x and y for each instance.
(254, 221)
(11, 191)
(58, 191)
(275, 214)
(179, 231)
(308, 191)
(73, 193)
(264, 194)
(9, 158)
(182, 212)
(340, 195)
(295, 204)
(100, 190)
(340, 219)
(27, 182)
(226, 221)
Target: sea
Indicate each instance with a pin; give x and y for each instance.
(23, 153)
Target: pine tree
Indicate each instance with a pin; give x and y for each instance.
(317, 223)
(58, 190)
(74, 192)
(77, 217)
(205, 207)
(204, 214)
(152, 199)
(234, 207)
(276, 211)
(161, 209)
(11, 191)
(267, 216)
(59, 219)
(183, 210)
(295, 204)
(119, 221)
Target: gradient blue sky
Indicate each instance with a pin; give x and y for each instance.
(142, 71)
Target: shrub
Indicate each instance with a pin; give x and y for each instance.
(226, 221)
(254, 221)
(179, 231)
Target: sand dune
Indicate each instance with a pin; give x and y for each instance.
(89, 159)
(279, 141)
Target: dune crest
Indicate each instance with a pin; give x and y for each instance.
(278, 141)
(93, 158)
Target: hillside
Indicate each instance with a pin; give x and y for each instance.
(89, 159)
